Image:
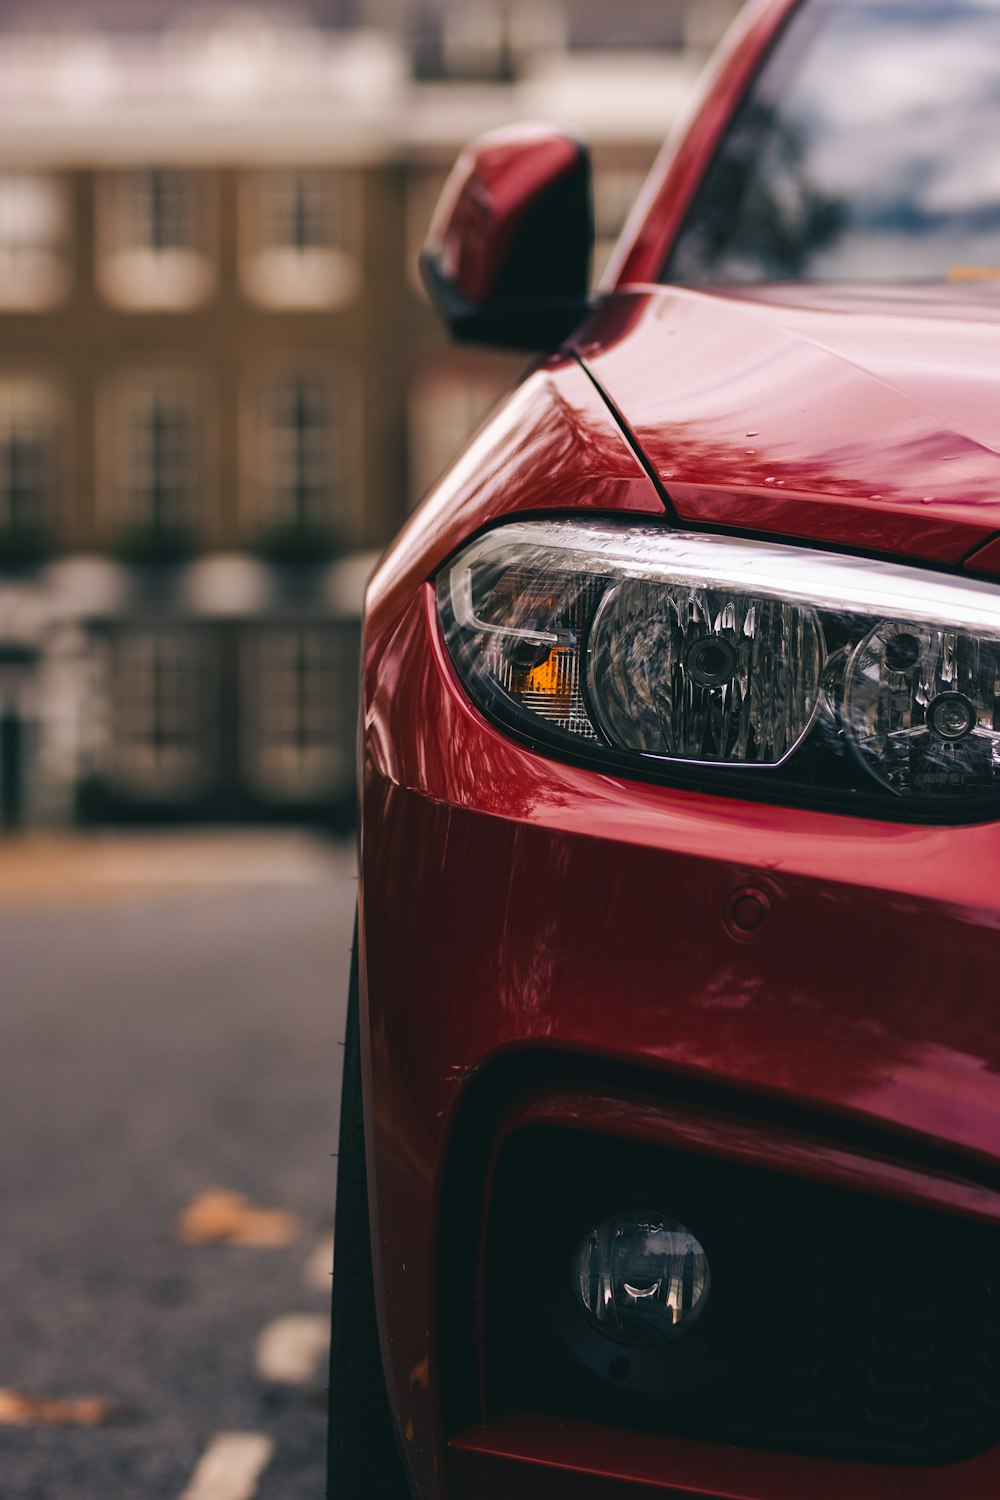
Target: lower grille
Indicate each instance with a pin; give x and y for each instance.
(866, 1328)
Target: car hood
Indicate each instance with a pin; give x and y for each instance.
(861, 418)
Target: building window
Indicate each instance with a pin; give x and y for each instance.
(35, 270)
(29, 464)
(163, 739)
(160, 211)
(157, 232)
(446, 407)
(154, 479)
(298, 720)
(494, 40)
(301, 238)
(297, 469)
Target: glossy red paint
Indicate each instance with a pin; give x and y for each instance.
(549, 1460)
(863, 419)
(539, 845)
(985, 559)
(510, 903)
(485, 199)
(781, 986)
(553, 446)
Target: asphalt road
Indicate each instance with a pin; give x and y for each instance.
(167, 1026)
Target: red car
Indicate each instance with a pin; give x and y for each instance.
(674, 1046)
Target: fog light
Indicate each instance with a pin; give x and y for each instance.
(642, 1277)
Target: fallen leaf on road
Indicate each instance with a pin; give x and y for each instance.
(19, 1410)
(221, 1217)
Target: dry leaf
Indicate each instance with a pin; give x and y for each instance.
(221, 1217)
(19, 1410)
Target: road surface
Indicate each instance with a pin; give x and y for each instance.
(171, 1008)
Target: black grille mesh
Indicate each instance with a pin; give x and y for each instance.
(879, 1333)
(909, 1357)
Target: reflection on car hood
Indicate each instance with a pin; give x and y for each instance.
(864, 418)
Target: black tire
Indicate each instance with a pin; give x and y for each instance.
(363, 1461)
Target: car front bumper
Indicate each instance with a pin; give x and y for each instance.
(810, 992)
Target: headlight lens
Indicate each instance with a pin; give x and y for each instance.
(922, 703)
(703, 674)
(803, 673)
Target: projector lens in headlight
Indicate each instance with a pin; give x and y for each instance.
(751, 665)
(641, 1277)
(922, 706)
(703, 675)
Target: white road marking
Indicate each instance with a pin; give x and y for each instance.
(319, 1267)
(230, 1467)
(290, 1348)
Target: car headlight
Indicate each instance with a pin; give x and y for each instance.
(754, 665)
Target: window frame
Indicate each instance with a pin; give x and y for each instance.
(141, 277)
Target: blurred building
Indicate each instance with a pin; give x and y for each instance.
(220, 384)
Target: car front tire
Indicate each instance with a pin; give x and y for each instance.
(363, 1457)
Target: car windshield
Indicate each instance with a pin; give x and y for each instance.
(868, 150)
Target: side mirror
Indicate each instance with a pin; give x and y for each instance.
(507, 257)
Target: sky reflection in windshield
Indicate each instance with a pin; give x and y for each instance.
(866, 151)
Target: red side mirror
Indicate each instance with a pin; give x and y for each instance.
(507, 258)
